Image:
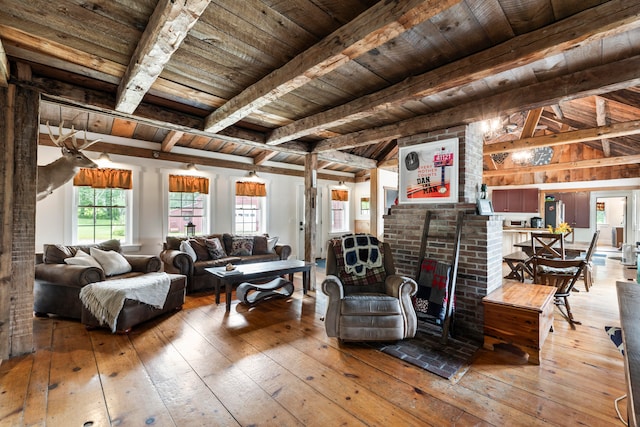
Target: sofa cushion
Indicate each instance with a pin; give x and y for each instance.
(82, 258)
(199, 267)
(112, 262)
(185, 246)
(56, 254)
(200, 249)
(260, 245)
(215, 248)
(241, 246)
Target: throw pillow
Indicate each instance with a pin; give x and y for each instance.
(188, 249)
(200, 249)
(56, 254)
(241, 246)
(271, 244)
(215, 248)
(84, 259)
(260, 245)
(112, 262)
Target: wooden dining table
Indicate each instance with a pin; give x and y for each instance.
(571, 249)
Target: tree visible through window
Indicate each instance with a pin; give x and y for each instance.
(102, 214)
(185, 208)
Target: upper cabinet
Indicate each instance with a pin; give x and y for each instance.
(521, 200)
(576, 208)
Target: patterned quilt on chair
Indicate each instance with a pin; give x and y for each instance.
(370, 276)
(433, 285)
(360, 252)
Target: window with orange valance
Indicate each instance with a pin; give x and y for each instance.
(103, 178)
(340, 195)
(251, 189)
(188, 184)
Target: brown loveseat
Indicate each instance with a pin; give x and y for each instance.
(178, 261)
(57, 284)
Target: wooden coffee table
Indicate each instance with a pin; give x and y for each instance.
(259, 271)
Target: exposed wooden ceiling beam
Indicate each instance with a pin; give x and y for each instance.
(168, 26)
(374, 27)
(263, 157)
(590, 25)
(171, 139)
(595, 81)
(530, 123)
(579, 164)
(572, 137)
(146, 153)
(91, 100)
(4, 66)
(602, 120)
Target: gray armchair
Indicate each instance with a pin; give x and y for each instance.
(374, 307)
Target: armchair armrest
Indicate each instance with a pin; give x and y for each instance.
(177, 262)
(144, 263)
(332, 287)
(73, 275)
(404, 288)
(283, 251)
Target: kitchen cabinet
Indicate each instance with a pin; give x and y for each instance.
(521, 200)
(576, 208)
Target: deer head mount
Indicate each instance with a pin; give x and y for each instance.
(61, 170)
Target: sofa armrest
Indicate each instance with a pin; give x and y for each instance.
(283, 251)
(144, 263)
(177, 262)
(73, 275)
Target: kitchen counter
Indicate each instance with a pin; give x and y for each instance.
(513, 235)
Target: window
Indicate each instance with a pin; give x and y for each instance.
(102, 198)
(250, 211)
(101, 214)
(187, 204)
(339, 210)
(185, 208)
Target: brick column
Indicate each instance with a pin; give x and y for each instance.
(480, 257)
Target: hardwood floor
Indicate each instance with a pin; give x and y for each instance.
(274, 365)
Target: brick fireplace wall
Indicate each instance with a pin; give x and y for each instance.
(480, 256)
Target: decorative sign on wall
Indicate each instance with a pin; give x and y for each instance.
(429, 172)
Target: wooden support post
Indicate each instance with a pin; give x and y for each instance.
(374, 215)
(310, 200)
(18, 174)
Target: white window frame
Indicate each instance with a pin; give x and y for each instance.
(206, 218)
(264, 203)
(128, 237)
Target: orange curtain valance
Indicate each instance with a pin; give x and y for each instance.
(252, 189)
(340, 195)
(104, 178)
(188, 184)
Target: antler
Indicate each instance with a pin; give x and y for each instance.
(62, 137)
(59, 141)
(85, 144)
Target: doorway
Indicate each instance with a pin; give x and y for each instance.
(611, 220)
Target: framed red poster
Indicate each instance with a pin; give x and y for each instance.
(429, 172)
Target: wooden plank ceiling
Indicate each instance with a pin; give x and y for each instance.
(269, 81)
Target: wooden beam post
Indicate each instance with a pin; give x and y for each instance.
(18, 174)
(310, 200)
(374, 218)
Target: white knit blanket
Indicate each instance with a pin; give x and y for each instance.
(105, 299)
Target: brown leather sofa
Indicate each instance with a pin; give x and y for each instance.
(177, 261)
(57, 284)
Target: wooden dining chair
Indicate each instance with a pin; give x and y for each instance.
(547, 245)
(587, 273)
(562, 274)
